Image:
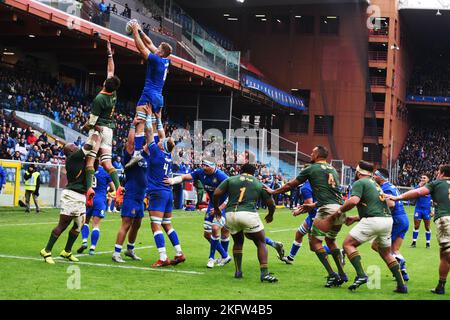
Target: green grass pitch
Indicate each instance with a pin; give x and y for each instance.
(24, 275)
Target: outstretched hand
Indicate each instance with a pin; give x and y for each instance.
(268, 189)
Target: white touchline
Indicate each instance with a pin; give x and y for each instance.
(101, 252)
(104, 265)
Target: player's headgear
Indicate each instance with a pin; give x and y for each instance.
(365, 168)
(209, 163)
(382, 173)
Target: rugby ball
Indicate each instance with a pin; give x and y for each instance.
(128, 29)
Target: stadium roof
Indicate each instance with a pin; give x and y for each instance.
(257, 3)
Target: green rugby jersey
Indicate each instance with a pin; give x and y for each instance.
(373, 202)
(440, 193)
(76, 173)
(244, 191)
(324, 181)
(103, 106)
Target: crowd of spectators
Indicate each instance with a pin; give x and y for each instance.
(426, 147)
(429, 77)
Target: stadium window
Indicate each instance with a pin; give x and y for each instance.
(280, 24)
(323, 124)
(329, 25)
(299, 124)
(304, 24)
(373, 127)
(372, 152)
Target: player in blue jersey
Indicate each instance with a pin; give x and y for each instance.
(211, 178)
(157, 69)
(305, 228)
(101, 182)
(132, 208)
(423, 212)
(400, 224)
(161, 197)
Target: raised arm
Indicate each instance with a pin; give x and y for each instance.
(147, 42)
(138, 41)
(129, 146)
(288, 186)
(110, 52)
(411, 194)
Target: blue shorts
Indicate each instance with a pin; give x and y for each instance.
(98, 209)
(132, 208)
(422, 214)
(399, 227)
(155, 99)
(161, 201)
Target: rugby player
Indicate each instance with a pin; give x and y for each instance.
(157, 69)
(132, 208)
(100, 126)
(375, 223)
(400, 219)
(161, 197)
(211, 178)
(244, 191)
(73, 201)
(324, 181)
(439, 190)
(422, 211)
(102, 181)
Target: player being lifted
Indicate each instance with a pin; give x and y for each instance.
(244, 191)
(100, 126)
(73, 201)
(400, 219)
(324, 181)
(211, 178)
(132, 209)
(102, 181)
(439, 190)
(161, 196)
(157, 69)
(422, 211)
(375, 223)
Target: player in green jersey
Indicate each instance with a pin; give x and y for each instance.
(73, 201)
(244, 191)
(375, 223)
(324, 182)
(100, 126)
(440, 193)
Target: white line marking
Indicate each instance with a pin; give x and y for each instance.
(281, 230)
(100, 252)
(105, 265)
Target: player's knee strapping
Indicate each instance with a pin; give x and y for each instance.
(167, 221)
(207, 226)
(302, 230)
(106, 157)
(156, 220)
(332, 234)
(141, 115)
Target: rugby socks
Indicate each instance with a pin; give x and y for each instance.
(327, 250)
(428, 236)
(395, 269)
(218, 247)
(117, 249)
(294, 249)
(415, 235)
(336, 253)
(355, 259)
(225, 242)
(95, 235)
(115, 177)
(322, 255)
(161, 245)
(70, 241)
(51, 242)
(237, 255)
(213, 246)
(269, 242)
(130, 246)
(173, 236)
(264, 269)
(90, 172)
(85, 234)
(139, 140)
